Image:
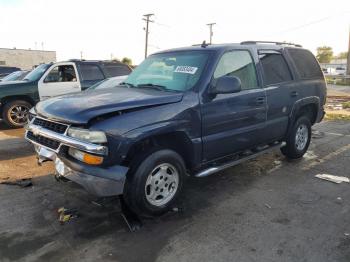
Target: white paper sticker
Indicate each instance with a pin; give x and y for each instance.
(186, 69)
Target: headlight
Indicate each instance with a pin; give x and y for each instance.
(87, 135)
(31, 114)
(85, 157)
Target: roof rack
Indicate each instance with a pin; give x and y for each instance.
(268, 42)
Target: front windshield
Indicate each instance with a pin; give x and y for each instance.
(11, 77)
(37, 72)
(176, 71)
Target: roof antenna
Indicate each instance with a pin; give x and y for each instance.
(204, 44)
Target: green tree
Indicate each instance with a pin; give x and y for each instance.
(127, 60)
(342, 55)
(324, 54)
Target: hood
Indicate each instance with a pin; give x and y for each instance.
(79, 108)
(10, 83)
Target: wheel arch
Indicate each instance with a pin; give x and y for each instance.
(177, 141)
(26, 98)
(308, 106)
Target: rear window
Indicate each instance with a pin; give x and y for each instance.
(90, 72)
(117, 70)
(305, 63)
(275, 68)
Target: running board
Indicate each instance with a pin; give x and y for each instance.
(212, 170)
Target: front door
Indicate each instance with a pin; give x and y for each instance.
(61, 78)
(232, 122)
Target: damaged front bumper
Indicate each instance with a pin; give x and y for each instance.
(96, 180)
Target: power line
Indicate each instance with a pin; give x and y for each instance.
(147, 19)
(311, 23)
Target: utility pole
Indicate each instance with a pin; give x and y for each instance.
(147, 19)
(211, 31)
(348, 60)
(81, 55)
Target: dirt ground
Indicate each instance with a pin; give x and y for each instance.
(17, 156)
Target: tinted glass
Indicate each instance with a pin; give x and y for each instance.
(117, 70)
(305, 63)
(177, 71)
(90, 72)
(275, 68)
(238, 64)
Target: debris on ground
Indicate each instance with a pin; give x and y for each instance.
(26, 182)
(66, 214)
(317, 134)
(334, 179)
(277, 162)
(268, 206)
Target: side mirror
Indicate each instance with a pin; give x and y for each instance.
(226, 85)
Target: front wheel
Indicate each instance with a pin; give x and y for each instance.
(15, 113)
(154, 182)
(299, 138)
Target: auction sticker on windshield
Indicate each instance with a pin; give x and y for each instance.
(186, 69)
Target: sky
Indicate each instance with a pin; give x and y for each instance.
(110, 28)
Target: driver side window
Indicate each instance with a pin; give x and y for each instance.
(240, 64)
(62, 73)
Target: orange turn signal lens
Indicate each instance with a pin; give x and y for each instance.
(85, 157)
(92, 160)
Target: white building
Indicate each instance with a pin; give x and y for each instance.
(25, 58)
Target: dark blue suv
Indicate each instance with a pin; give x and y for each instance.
(188, 111)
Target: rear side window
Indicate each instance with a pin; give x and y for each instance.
(275, 68)
(305, 63)
(91, 72)
(117, 70)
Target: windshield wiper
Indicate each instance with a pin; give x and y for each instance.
(153, 86)
(126, 84)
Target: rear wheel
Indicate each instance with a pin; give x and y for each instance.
(299, 138)
(154, 182)
(15, 113)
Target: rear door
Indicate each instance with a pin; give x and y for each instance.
(59, 79)
(281, 92)
(233, 122)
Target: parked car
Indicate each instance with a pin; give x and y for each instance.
(15, 76)
(6, 70)
(108, 83)
(48, 80)
(340, 71)
(194, 110)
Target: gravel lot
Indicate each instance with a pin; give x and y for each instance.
(267, 209)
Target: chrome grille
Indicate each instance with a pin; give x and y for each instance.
(53, 126)
(50, 143)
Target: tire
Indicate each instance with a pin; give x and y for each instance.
(15, 113)
(298, 139)
(154, 182)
